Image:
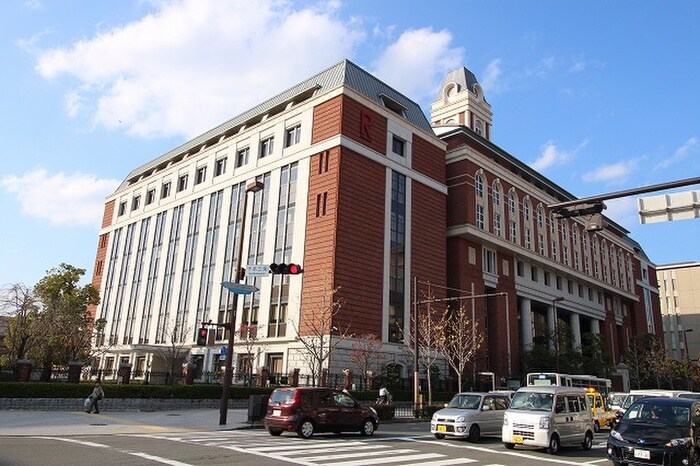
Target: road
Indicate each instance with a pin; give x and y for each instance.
(393, 444)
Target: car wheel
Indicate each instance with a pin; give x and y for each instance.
(588, 441)
(509, 446)
(367, 428)
(439, 436)
(474, 433)
(306, 428)
(275, 432)
(596, 427)
(554, 445)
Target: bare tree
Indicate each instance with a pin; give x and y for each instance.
(174, 354)
(461, 341)
(322, 333)
(248, 342)
(367, 355)
(18, 301)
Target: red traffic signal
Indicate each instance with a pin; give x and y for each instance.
(202, 336)
(286, 269)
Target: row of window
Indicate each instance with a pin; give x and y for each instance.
(613, 267)
(266, 148)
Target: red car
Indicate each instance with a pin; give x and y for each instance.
(308, 410)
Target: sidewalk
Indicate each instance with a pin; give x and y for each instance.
(31, 423)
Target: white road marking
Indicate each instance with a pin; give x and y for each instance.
(140, 454)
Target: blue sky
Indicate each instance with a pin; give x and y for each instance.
(599, 96)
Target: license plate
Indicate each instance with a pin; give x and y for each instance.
(642, 454)
(518, 439)
(442, 428)
(276, 412)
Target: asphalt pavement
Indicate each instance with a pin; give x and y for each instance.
(33, 423)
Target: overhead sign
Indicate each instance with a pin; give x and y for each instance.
(257, 270)
(669, 207)
(239, 288)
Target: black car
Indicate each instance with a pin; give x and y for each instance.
(657, 431)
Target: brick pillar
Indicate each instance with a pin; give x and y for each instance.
(264, 376)
(324, 378)
(124, 373)
(24, 370)
(294, 378)
(74, 370)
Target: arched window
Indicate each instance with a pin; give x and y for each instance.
(496, 193)
(512, 202)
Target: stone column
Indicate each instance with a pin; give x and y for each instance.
(526, 323)
(575, 323)
(347, 382)
(551, 326)
(595, 326)
(294, 377)
(264, 376)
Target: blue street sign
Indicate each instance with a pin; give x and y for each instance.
(239, 288)
(223, 351)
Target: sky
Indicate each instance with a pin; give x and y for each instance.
(598, 96)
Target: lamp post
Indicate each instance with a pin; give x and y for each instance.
(556, 329)
(223, 408)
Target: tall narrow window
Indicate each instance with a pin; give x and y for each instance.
(182, 183)
(397, 258)
(150, 196)
(165, 190)
(398, 146)
(478, 185)
(200, 175)
(480, 224)
(220, 166)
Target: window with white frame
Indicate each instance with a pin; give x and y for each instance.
(220, 166)
(512, 202)
(267, 145)
(165, 190)
(122, 208)
(200, 175)
(150, 196)
(292, 136)
(496, 193)
(540, 217)
(490, 261)
(540, 243)
(182, 183)
(479, 185)
(136, 202)
(526, 209)
(497, 224)
(528, 238)
(242, 156)
(480, 223)
(513, 231)
(565, 254)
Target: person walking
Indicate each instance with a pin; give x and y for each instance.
(96, 395)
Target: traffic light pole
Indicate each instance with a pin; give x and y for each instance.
(228, 375)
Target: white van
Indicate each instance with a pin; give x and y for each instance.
(549, 417)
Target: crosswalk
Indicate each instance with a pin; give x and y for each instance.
(328, 451)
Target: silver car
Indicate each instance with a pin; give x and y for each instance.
(471, 415)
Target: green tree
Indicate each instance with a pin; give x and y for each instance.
(64, 323)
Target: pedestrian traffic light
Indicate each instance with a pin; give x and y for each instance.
(202, 336)
(286, 269)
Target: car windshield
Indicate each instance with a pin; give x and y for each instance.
(463, 401)
(631, 398)
(532, 401)
(617, 399)
(663, 413)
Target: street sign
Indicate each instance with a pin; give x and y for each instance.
(239, 288)
(257, 270)
(223, 350)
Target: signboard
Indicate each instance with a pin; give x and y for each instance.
(239, 288)
(257, 270)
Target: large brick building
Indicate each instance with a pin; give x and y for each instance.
(375, 201)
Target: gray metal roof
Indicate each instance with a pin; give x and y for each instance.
(343, 73)
(462, 77)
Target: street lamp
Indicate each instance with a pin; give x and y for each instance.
(556, 328)
(223, 408)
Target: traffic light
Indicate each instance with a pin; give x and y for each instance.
(286, 269)
(202, 336)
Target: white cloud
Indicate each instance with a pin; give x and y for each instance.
(552, 155)
(491, 77)
(193, 64)
(416, 63)
(60, 198)
(690, 146)
(612, 174)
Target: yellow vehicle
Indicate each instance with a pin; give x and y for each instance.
(602, 416)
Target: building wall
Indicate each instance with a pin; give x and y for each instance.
(679, 287)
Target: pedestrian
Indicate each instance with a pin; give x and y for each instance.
(384, 396)
(96, 395)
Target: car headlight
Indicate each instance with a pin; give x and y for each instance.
(616, 435)
(435, 417)
(544, 422)
(505, 419)
(679, 442)
(460, 419)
